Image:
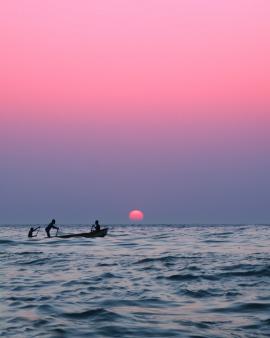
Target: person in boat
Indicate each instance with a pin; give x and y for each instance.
(96, 226)
(31, 232)
(49, 227)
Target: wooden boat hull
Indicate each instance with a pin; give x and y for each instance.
(90, 234)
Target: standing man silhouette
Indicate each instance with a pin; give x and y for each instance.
(49, 227)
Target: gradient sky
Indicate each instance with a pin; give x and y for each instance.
(113, 105)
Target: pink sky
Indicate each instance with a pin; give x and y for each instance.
(122, 53)
(148, 79)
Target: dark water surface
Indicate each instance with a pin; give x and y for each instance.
(139, 281)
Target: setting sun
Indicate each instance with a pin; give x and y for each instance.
(136, 215)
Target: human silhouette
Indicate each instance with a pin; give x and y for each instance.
(96, 226)
(31, 232)
(49, 227)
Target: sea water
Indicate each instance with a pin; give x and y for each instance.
(138, 281)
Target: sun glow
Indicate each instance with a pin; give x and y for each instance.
(136, 215)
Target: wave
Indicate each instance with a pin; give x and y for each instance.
(93, 313)
(106, 264)
(246, 307)
(7, 241)
(188, 276)
(215, 241)
(47, 308)
(157, 259)
(201, 293)
(262, 272)
(38, 261)
(29, 253)
(181, 277)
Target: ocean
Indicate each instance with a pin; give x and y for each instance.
(138, 281)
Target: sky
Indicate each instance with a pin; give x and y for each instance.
(112, 105)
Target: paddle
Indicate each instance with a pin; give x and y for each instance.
(58, 230)
(56, 233)
(37, 231)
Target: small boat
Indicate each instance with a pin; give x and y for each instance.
(90, 234)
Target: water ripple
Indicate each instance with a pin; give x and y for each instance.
(139, 281)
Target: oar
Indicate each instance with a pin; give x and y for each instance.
(37, 231)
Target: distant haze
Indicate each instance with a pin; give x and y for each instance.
(112, 105)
